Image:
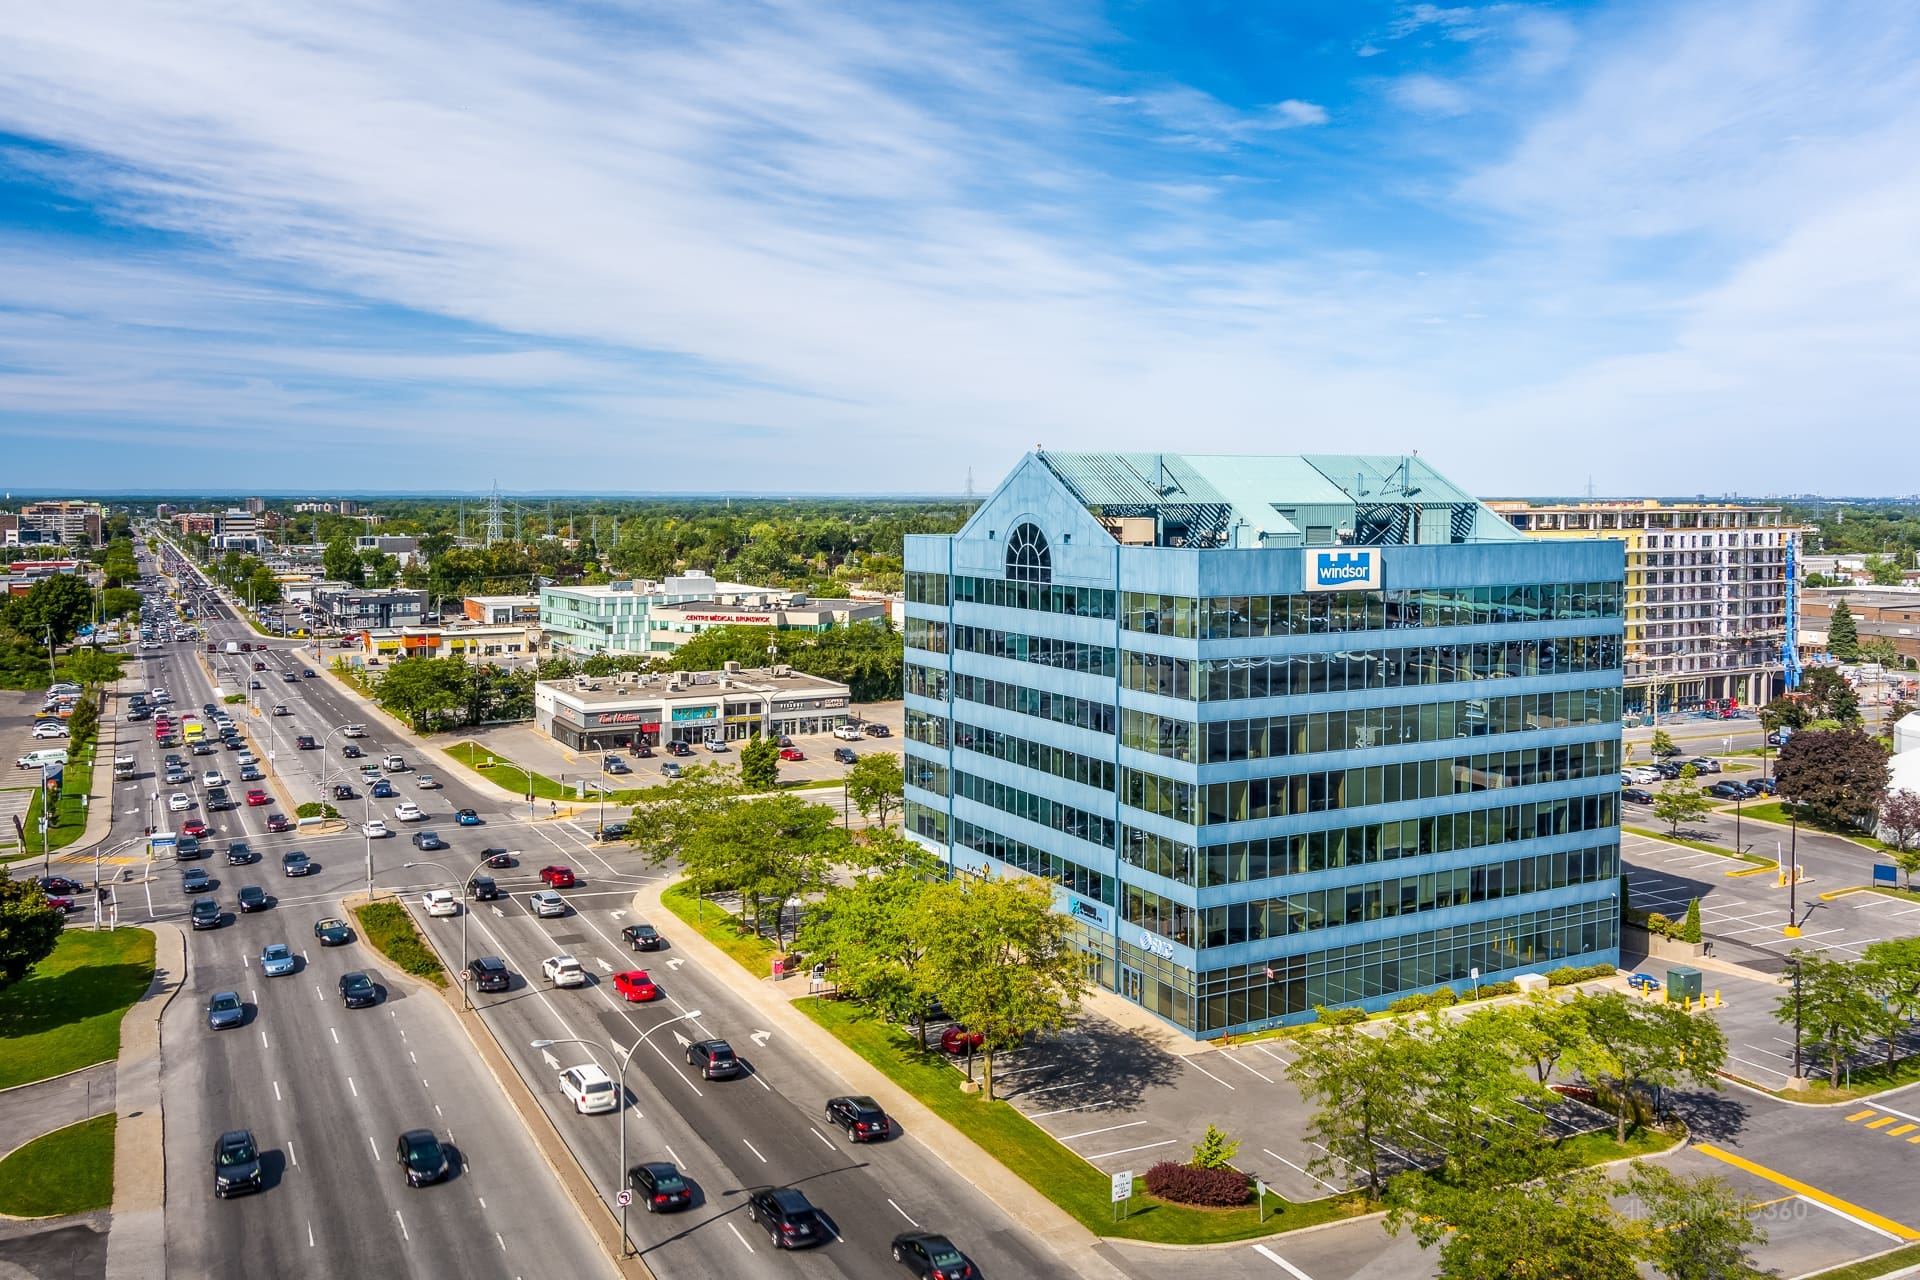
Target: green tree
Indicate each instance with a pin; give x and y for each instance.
(1361, 1092)
(1634, 1044)
(1542, 1030)
(872, 931)
(1681, 801)
(91, 666)
(875, 784)
(1834, 1005)
(1892, 978)
(1663, 745)
(422, 689)
(760, 763)
(29, 929)
(119, 602)
(1840, 775)
(1693, 1228)
(1479, 1119)
(341, 563)
(84, 720)
(56, 605)
(1690, 930)
(680, 820)
(1214, 1150)
(1881, 650)
(1001, 958)
(261, 587)
(1885, 571)
(1843, 637)
(1899, 826)
(1561, 1229)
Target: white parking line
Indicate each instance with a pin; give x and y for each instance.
(1208, 1074)
(1073, 1137)
(1124, 1150)
(1041, 1115)
(1235, 1060)
(1297, 1169)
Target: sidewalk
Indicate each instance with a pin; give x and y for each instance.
(29, 1110)
(137, 1240)
(1072, 1243)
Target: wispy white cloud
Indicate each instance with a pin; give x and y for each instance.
(1430, 95)
(1456, 22)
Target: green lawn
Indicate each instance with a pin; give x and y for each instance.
(1885, 1264)
(1864, 1083)
(69, 814)
(505, 773)
(722, 928)
(1776, 811)
(65, 1014)
(388, 927)
(1701, 845)
(67, 1171)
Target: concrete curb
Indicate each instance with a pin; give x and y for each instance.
(604, 1226)
(92, 1066)
(136, 1238)
(1061, 1233)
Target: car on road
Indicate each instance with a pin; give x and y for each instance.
(636, 986)
(236, 1164)
(860, 1116)
(179, 802)
(440, 902)
(213, 778)
(642, 937)
(490, 973)
(1776, 739)
(282, 709)
(714, 1059)
(792, 753)
(259, 666)
(59, 884)
(482, 889)
(251, 773)
(289, 677)
(350, 751)
(278, 822)
(590, 1089)
(407, 810)
(658, 1186)
(610, 832)
(467, 818)
(1666, 751)
(194, 827)
(295, 863)
(426, 782)
(499, 858)
(195, 880)
(1643, 982)
(790, 1219)
(205, 914)
(277, 959)
(957, 1040)
(62, 903)
(305, 742)
(933, 1256)
(241, 854)
(341, 791)
(1636, 795)
(563, 971)
(225, 1012)
(306, 673)
(332, 931)
(845, 755)
(1730, 790)
(377, 829)
(428, 840)
(357, 990)
(253, 898)
(422, 1157)
(257, 798)
(557, 877)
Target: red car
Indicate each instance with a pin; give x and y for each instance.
(636, 985)
(557, 877)
(256, 798)
(279, 822)
(792, 753)
(956, 1039)
(196, 828)
(65, 904)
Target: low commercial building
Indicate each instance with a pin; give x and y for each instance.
(672, 625)
(474, 643)
(361, 608)
(630, 709)
(1886, 613)
(22, 575)
(614, 617)
(501, 609)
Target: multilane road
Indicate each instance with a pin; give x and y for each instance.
(763, 1128)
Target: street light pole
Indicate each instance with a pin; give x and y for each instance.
(466, 989)
(626, 1060)
(1793, 873)
(1793, 965)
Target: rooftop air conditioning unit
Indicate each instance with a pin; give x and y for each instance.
(731, 668)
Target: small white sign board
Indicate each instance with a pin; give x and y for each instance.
(1123, 1186)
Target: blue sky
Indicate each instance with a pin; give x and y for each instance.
(407, 244)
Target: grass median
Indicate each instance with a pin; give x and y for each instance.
(1868, 1268)
(67, 1171)
(70, 810)
(722, 928)
(389, 929)
(1776, 811)
(65, 1014)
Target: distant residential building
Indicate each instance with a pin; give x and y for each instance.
(255, 506)
(502, 609)
(63, 523)
(236, 529)
(629, 709)
(201, 522)
(360, 608)
(348, 507)
(315, 508)
(1707, 600)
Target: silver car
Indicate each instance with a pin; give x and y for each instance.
(547, 903)
(277, 960)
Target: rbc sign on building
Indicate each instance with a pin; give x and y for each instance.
(1282, 732)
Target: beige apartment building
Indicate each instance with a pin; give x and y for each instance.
(1708, 603)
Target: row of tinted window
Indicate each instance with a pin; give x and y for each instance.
(927, 588)
(922, 634)
(1246, 617)
(1074, 602)
(1096, 716)
(1252, 799)
(927, 730)
(1267, 737)
(1064, 818)
(926, 682)
(1045, 651)
(1058, 761)
(1022, 856)
(1282, 675)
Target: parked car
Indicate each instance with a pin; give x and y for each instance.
(714, 1059)
(845, 755)
(878, 731)
(670, 771)
(957, 1040)
(563, 971)
(860, 1116)
(1729, 790)
(1636, 795)
(610, 832)
(792, 753)
(1705, 764)
(558, 877)
(1643, 982)
(790, 1219)
(636, 986)
(658, 1187)
(1765, 786)
(641, 937)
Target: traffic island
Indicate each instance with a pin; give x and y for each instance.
(61, 1173)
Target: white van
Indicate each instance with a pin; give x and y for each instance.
(41, 758)
(124, 767)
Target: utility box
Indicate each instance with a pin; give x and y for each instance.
(1683, 985)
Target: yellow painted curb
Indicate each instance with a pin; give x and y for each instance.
(1831, 894)
(1757, 871)
(1814, 1194)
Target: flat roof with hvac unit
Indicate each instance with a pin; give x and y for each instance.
(630, 708)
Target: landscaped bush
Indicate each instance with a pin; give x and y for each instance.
(314, 809)
(1567, 976)
(1188, 1184)
(1339, 1017)
(1420, 1002)
(1488, 990)
(390, 929)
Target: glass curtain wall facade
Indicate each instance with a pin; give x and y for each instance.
(1257, 793)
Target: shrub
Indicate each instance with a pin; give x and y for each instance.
(1214, 1150)
(1339, 1017)
(1690, 931)
(390, 929)
(1567, 975)
(314, 809)
(1507, 987)
(1186, 1184)
(1419, 1002)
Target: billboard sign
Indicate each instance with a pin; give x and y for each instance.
(1349, 569)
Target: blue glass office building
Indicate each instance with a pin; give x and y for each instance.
(1284, 732)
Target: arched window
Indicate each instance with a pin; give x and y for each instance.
(1028, 557)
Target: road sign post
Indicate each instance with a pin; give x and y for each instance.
(1260, 1189)
(1122, 1192)
(625, 1197)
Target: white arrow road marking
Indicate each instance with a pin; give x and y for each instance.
(675, 965)
(682, 1040)
(497, 911)
(604, 966)
(760, 1037)
(551, 1061)
(618, 915)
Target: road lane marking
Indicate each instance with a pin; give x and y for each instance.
(670, 1152)
(353, 1086)
(737, 1236)
(496, 1236)
(827, 1142)
(374, 1147)
(335, 1034)
(1859, 1115)
(902, 1212)
(1124, 1150)
(1903, 1129)
(1865, 1217)
(1281, 1262)
(1041, 1115)
(756, 1150)
(263, 1039)
(310, 1235)
(291, 1157)
(276, 1091)
(403, 1226)
(1882, 1122)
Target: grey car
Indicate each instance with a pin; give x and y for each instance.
(225, 1011)
(236, 1164)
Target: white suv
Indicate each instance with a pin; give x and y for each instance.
(591, 1089)
(441, 902)
(546, 902)
(408, 811)
(847, 733)
(563, 971)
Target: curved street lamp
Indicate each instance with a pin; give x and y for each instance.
(466, 990)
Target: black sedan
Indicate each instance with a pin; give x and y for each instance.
(341, 791)
(790, 1219)
(195, 880)
(59, 885)
(422, 1156)
(332, 931)
(715, 1059)
(927, 1254)
(1636, 795)
(236, 1165)
(642, 937)
(241, 854)
(498, 858)
(295, 863)
(357, 990)
(351, 752)
(252, 898)
(206, 914)
(1730, 790)
(659, 1187)
(482, 889)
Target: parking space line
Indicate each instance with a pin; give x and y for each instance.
(1297, 1169)
(1281, 1262)
(1235, 1060)
(1072, 1137)
(1208, 1074)
(1150, 1146)
(1864, 1217)
(1041, 1115)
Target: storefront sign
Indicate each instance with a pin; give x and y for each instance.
(617, 717)
(808, 704)
(1356, 569)
(744, 618)
(1157, 945)
(693, 713)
